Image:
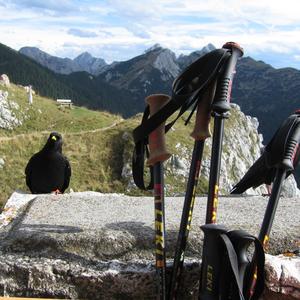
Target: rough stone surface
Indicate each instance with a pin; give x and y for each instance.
(166, 64)
(4, 80)
(9, 119)
(2, 163)
(283, 275)
(100, 246)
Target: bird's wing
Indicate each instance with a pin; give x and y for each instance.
(67, 175)
(258, 174)
(28, 171)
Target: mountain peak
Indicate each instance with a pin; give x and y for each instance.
(26, 48)
(153, 48)
(32, 52)
(185, 60)
(83, 55)
(209, 47)
(89, 63)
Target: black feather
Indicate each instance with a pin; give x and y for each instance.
(264, 169)
(48, 170)
(258, 174)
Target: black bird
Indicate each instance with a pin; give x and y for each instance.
(282, 151)
(49, 170)
(258, 174)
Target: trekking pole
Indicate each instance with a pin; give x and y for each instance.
(157, 155)
(265, 230)
(208, 287)
(200, 133)
(288, 163)
(220, 109)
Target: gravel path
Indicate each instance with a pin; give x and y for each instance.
(40, 133)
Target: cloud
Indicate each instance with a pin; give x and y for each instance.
(264, 28)
(81, 33)
(138, 30)
(41, 5)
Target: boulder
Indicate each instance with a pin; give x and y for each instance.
(4, 80)
(2, 163)
(10, 115)
(100, 246)
(283, 276)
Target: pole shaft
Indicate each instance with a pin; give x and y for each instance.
(186, 218)
(272, 206)
(215, 165)
(266, 227)
(159, 209)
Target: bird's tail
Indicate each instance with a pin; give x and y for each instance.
(256, 175)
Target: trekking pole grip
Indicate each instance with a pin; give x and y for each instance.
(201, 129)
(157, 144)
(223, 93)
(291, 151)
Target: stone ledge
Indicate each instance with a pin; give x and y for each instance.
(100, 246)
(80, 279)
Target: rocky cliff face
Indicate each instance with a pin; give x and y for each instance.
(89, 63)
(241, 147)
(10, 114)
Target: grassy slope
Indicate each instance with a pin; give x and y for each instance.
(94, 147)
(45, 115)
(84, 133)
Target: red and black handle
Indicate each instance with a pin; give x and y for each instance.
(158, 153)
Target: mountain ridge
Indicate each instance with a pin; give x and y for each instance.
(86, 62)
(265, 92)
(83, 88)
(83, 62)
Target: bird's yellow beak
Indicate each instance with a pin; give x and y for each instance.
(53, 138)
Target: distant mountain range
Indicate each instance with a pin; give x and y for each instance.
(262, 91)
(83, 62)
(93, 65)
(83, 88)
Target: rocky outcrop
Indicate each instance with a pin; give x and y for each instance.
(2, 163)
(10, 114)
(4, 80)
(242, 145)
(100, 246)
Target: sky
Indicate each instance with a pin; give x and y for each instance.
(118, 30)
